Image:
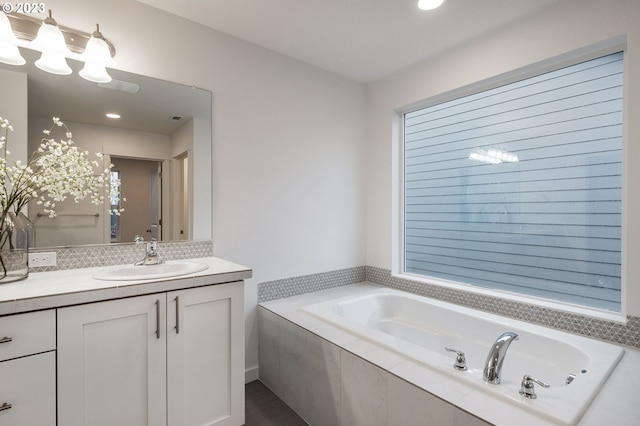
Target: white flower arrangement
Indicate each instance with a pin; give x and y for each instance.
(55, 171)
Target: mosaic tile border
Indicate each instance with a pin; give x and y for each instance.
(279, 289)
(624, 334)
(120, 254)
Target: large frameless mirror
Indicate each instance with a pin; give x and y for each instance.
(160, 147)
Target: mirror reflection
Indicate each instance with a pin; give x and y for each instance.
(151, 145)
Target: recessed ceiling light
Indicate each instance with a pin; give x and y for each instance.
(429, 4)
(113, 115)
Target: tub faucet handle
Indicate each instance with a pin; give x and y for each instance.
(461, 361)
(527, 388)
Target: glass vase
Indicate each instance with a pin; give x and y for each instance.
(15, 233)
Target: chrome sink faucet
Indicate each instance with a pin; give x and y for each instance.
(151, 256)
(497, 353)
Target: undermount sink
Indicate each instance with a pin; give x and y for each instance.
(149, 272)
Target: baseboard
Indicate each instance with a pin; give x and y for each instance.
(251, 374)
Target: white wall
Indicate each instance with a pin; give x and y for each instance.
(108, 140)
(562, 28)
(182, 139)
(288, 141)
(200, 187)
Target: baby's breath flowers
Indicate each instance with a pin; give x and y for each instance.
(55, 171)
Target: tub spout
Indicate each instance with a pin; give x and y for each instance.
(497, 353)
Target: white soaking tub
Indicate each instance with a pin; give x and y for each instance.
(420, 328)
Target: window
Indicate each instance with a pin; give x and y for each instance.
(518, 188)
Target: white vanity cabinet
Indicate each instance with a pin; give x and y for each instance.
(111, 362)
(205, 356)
(174, 358)
(28, 369)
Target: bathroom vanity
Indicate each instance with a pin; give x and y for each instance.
(75, 350)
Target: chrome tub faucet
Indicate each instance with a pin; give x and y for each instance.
(497, 353)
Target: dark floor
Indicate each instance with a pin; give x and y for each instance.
(264, 408)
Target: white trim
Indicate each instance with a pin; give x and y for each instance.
(251, 374)
(626, 187)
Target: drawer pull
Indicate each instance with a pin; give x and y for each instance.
(5, 406)
(6, 339)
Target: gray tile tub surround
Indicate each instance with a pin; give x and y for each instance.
(328, 385)
(92, 256)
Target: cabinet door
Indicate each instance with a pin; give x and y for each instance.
(28, 391)
(205, 356)
(112, 363)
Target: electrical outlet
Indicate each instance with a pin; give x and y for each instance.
(47, 258)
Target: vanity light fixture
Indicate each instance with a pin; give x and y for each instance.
(96, 58)
(58, 43)
(50, 42)
(9, 53)
(113, 115)
(429, 4)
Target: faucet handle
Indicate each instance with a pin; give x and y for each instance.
(461, 362)
(527, 388)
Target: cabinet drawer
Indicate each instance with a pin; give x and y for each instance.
(27, 334)
(28, 391)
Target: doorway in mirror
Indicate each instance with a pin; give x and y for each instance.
(141, 187)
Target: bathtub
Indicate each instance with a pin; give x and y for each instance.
(420, 329)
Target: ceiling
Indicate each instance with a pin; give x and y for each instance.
(363, 40)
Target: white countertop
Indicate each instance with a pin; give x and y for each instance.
(44, 290)
(616, 404)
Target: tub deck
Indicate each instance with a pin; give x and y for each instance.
(619, 393)
(420, 329)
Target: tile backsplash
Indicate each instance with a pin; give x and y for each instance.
(120, 254)
(624, 334)
(279, 289)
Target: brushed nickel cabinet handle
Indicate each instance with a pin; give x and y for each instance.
(177, 299)
(158, 319)
(6, 339)
(5, 406)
